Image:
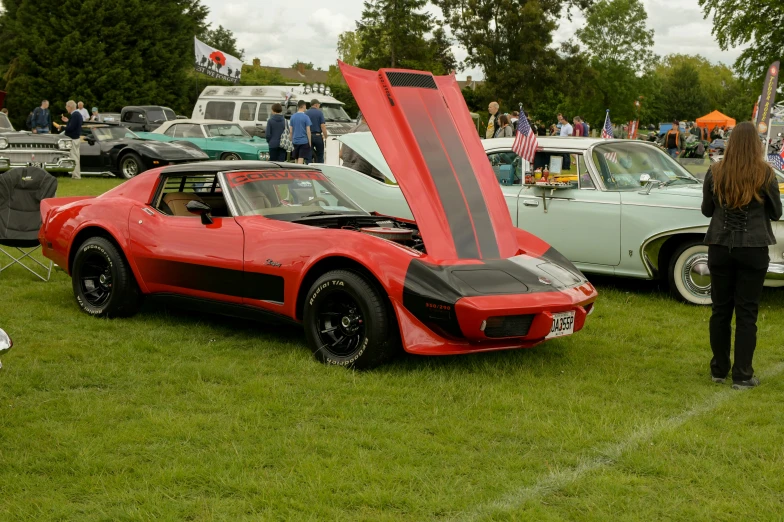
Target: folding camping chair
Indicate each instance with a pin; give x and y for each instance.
(21, 192)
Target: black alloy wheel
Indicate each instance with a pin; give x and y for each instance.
(103, 284)
(348, 322)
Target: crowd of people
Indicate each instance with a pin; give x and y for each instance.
(306, 130)
(504, 125)
(39, 121)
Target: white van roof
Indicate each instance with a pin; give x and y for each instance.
(274, 93)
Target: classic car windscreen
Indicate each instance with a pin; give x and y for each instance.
(621, 165)
(231, 130)
(287, 195)
(4, 123)
(113, 133)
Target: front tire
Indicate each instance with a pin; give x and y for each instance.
(689, 277)
(131, 165)
(347, 322)
(230, 156)
(103, 284)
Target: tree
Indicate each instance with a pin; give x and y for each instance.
(756, 23)
(223, 39)
(683, 91)
(510, 40)
(135, 53)
(349, 47)
(615, 32)
(393, 34)
(308, 65)
(257, 75)
(443, 56)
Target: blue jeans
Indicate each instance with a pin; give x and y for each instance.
(673, 153)
(42, 130)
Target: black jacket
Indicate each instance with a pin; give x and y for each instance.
(276, 124)
(21, 192)
(746, 227)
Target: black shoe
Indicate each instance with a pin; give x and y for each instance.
(744, 385)
(718, 380)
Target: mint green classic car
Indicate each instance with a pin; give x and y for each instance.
(221, 140)
(615, 207)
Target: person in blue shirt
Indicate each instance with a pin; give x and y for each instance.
(318, 131)
(276, 125)
(41, 120)
(300, 134)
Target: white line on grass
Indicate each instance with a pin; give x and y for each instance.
(608, 456)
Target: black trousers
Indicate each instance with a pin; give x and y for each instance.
(318, 148)
(737, 277)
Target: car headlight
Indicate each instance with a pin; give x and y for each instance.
(65, 144)
(263, 155)
(3, 143)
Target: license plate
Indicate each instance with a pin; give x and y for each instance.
(38, 164)
(563, 324)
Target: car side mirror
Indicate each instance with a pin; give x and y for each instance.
(90, 140)
(644, 178)
(200, 208)
(5, 343)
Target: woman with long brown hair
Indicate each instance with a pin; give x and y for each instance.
(741, 196)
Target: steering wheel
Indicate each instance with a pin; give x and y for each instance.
(317, 200)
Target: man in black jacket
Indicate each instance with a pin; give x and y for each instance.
(73, 130)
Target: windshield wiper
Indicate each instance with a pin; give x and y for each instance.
(671, 181)
(322, 213)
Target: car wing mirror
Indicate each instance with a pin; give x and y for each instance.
(648, 183)
(90, 140)
(200, 208)
(5, 343)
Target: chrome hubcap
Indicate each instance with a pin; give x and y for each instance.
(696, 275)
(130, 168)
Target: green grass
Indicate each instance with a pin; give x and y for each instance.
(175, 416)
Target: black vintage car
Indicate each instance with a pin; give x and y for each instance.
(51, 152)
(145, 118)
(117, 150)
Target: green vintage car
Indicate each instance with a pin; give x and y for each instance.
(625, 208)
(221, 140)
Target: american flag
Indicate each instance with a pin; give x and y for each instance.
(777, 160)
(525, 143)
(607, 133)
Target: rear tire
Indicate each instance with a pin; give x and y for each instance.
(348, 323)
(689, 277)
(103, 284)
(131, 165)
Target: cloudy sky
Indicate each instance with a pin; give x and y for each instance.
(279, 33)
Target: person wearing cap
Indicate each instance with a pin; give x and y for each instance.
(673, 141)
(95, 116)
(318, 130)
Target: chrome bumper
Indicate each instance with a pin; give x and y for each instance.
(61, 165)
(775, 271)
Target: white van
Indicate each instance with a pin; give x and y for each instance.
(251, 106)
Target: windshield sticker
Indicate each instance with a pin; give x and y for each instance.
(240, 178)
(670, 174)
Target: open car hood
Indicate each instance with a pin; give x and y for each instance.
(365, 145)
(427, 137)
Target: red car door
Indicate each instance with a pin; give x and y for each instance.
(180, 255)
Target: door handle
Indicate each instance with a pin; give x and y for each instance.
(531, 202)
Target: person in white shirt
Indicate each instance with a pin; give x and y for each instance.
(83, 111)
(566, 127)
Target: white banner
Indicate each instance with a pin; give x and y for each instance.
(216, 63)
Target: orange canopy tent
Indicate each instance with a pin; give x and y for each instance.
(715, 119)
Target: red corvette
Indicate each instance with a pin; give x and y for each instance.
(266, 239)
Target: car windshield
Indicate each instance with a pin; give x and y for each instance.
(287, 195)
(156, 116)
(231, 130)
(621, 164)
(334, 112)
(112, 133)
(4, 123)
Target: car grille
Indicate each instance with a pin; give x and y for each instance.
(33, 146)
(19, 158)
(508, 325)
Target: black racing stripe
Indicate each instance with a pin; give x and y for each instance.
(477, 206)
(235, 283)
(444, 178)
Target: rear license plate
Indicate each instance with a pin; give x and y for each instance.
(38, 164)
(563, 324)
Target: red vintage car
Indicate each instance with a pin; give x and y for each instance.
(263, 239)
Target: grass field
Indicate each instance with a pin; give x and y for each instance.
(172, 416)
